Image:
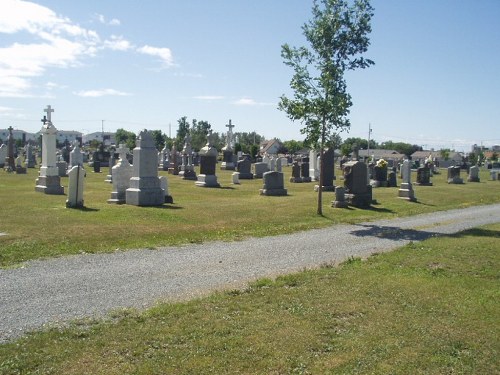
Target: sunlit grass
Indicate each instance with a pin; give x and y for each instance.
(39, 225)
(426, 308)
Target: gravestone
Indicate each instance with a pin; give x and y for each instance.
(493, 175)
(48, 180)
(358, 191)
(109, 176)
(339, 201)
(378, 175)
(328, 166)
(19, 165)
(313, 165)
(296, 172)
(423, 176)
(273, 184)
(473, 174)
(62, 168)
(392, 179)
(260, 168)
(3, 154)
(227, 150)
(122, 173)
(187, 168)
(10, 162)
(454, 175)
(165, 156)
(75, 187)
(244, 168)
(208, 162)
(145, 186)
(279, 165)
(406, 189)
(76, 156)
(164, 186)
(236, 178)
(30, 160)
(173, 167)
(304, 170)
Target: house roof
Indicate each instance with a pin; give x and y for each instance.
(379, 153)
(266, 145)
(436, 155)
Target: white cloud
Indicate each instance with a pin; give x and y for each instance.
(250, 102)
(56, 42)
(99, 93)
(102, 19)
(117, 43)
(165, 54)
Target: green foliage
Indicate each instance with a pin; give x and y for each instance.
(126, 137)
(401, 147)
(445, 153)
(199, 132)
(159, 139)
(338, 36)
(292, 146)
(182, 131)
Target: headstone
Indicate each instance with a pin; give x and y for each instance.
(236, 178)
(313, 165)
(358, 191)
(173, 167)
(145, 186)
(187, 168)
(244, 168)
(30, 160)
(109, 176)
(392, 179)
(379, 176)
(165, 153)
(122, 173)
(272, 163)
(228, 151)
(295, 172)
(423, 176)
(473, 174)
(208, 161)
(493, 175)
(3, 154)
(304, 170)
(328, 167)
(339, 201)
(406, 189)
(164, 186)
(10, 163)
(76, 156)
(279, 165)
(454, 175)
(19, 166)
(273, 184)
(260, 168)
(75, 187)
(48, 181)
(62, 168)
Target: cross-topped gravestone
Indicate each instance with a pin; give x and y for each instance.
(122, 151)
(49, 110)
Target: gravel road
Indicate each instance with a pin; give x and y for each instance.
(57, 290)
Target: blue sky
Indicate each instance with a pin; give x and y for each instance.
(145, 64)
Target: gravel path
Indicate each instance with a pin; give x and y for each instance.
(57, 290)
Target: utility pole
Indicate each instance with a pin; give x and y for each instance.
(369, 133)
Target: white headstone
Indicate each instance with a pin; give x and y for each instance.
(75, 187)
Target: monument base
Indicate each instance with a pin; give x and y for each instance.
(473, 179)
(406, 192)
(324, 188)
(49, 185)
(273, 192)
(117, 198)
(205, 180)
(145, 197)
(359, 200)
(455, 180)
(20, 170)
(188, 174)
(227, 165)
(246, 176)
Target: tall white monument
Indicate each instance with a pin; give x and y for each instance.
(48, 180)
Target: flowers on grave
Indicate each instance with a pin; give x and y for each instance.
(381, 163)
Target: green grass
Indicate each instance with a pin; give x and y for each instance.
(427, 308)
(39, 225)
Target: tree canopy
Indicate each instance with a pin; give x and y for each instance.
(338, 36)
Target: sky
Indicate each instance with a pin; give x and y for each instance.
(104, 65)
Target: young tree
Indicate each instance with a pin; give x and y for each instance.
(338, 36)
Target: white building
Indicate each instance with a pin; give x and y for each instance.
(17, 134)
(108, 137)
(69, 135)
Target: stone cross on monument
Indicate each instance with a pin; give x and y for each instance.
(44, 120)
(49, 110)
(229, 141)
(122, 151)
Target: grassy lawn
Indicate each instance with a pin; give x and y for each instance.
(39, 225)
(427, 308)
